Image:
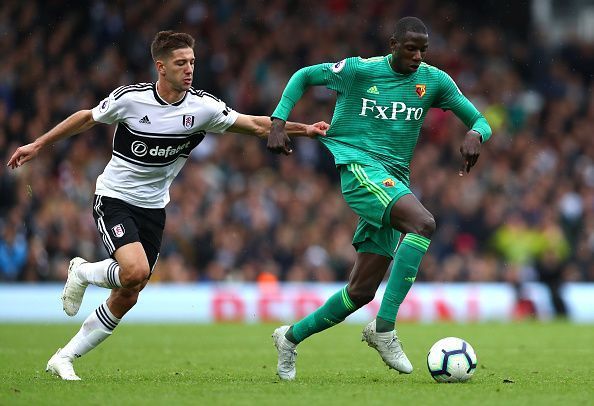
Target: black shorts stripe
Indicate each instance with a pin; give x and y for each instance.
(109, 245)
(97, 206)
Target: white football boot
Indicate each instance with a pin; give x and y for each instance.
(287, 354)
(74, 289)
(61, 367)
(389, 347)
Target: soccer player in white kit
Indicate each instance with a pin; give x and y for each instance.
(158, 124)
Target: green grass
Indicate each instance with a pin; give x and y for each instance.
(519, 364)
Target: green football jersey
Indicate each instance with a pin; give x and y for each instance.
(379, 112)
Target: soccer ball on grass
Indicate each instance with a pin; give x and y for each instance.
(451, 359)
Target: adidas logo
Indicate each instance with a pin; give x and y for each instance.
(144, 120)
(373, 90)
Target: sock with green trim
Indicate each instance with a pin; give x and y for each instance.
(334, 311)
(404, 271)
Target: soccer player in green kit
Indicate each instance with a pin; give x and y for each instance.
(381, 104)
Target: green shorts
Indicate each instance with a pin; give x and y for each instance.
(371, 192)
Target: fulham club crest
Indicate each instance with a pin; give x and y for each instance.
(188, 121)
(118, 231)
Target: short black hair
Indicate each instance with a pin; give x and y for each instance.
(408, 24)
(166, 42)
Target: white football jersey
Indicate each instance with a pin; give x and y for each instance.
(153, 139)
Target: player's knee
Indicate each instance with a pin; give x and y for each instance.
(360, 295)
(133, 275)
(425, 226)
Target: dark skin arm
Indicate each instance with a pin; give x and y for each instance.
(279, 143)
(278, 140)
(470, 150)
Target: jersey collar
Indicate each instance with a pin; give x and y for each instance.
(388, 60)
(163, 102)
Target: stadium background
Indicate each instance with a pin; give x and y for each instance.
(524, 214)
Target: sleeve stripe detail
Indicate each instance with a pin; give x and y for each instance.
(139, 89)
(122, 89)
(202, 93)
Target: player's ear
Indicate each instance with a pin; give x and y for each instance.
(160, 66)
(394, 45)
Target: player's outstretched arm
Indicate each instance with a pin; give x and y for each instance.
(278, 140)
(78, 122)
(260, 126)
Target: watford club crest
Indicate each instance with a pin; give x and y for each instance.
(421, 89)
(389, 182)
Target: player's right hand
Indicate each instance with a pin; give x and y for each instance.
(317, 129)
(22, 155)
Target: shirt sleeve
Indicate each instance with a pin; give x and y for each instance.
(451, 98)
(335, 76)
(110, 110)
(221, 116)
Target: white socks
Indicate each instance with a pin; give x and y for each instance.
(104, 273)
(99, 324)
(96, 328)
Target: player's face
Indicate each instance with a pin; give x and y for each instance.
(408, 54)
(178, 69)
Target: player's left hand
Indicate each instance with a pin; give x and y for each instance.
(470, 150)
(317, 129)
(278, 140)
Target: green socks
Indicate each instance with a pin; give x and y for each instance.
(339, 306)
(334, 311)
(404, 271)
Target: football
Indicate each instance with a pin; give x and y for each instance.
(451, 359)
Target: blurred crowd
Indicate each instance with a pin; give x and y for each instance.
(525, 212)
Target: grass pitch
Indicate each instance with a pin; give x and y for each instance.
(518, 364)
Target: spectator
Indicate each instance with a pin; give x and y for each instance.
(13, 252)
(541, 161)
